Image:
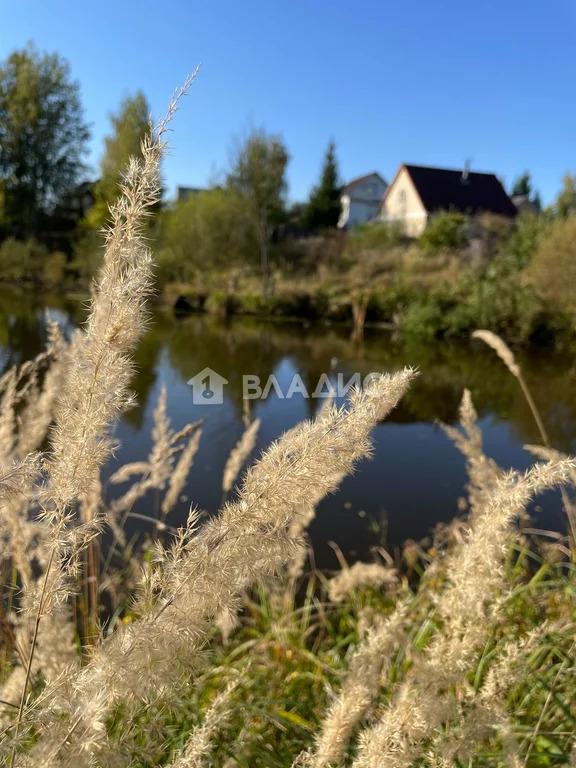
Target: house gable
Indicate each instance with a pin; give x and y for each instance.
(360, 199)
(402, 202)
(370, 186)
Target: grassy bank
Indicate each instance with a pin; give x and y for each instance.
(513, 278)
(510, 280)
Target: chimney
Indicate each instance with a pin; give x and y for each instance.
(465, 172)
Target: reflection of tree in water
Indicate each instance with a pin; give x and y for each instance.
(244, 345)
(23, 328)
(142, 384)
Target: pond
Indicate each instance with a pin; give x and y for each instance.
(416, 476)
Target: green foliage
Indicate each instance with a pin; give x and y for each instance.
(55, 268)
(42, 137)
(88, 255)
(374, 237)
(565, 204)
(424, 316)
(324, 208)
(259, 173)
(444, 231)
(517, 251)
(129, 127)
(553, 268)
(289, 656)
(207, 232)
(22, 260)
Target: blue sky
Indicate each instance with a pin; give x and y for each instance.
(411, 81)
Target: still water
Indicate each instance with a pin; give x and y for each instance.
(415, 477)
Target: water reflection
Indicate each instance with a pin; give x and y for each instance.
(415, 477)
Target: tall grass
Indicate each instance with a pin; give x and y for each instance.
(469, 665)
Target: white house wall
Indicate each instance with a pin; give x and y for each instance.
(362, 203)
(402, 204)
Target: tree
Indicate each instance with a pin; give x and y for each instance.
(129, 127)
(43, 137)
(324, 206)
(258, 171)
(522, 186)
(566, 201)
(209, 231)
(552, 270)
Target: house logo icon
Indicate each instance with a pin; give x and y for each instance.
(207, 387)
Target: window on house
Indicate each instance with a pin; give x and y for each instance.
(402, 196)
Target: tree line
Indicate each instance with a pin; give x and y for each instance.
(43, 147)
(44, 143)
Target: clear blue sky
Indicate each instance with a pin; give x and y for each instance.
(421, 81)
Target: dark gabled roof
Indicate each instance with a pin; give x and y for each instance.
(183, 193)
(357, 181)
(451, 190)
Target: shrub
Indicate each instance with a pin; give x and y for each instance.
(211, 230)
(424, 316)
(518, 249)
(87, 257)
(22, 260)
(553, 268)
(444, 231)
(371, 240)
(55, 268)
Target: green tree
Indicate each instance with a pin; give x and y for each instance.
(566, 201)
(324, 206)
(210, 231)
(129, 127)
(552, 270)
(522, 185)
(259, 172)
(42, 137)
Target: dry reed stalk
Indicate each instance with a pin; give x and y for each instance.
(466, 608)
(239, 454)
(8, 419)
(197, 748)
(301, 522)
(360, 574)
(483, 712)
(367, 672)
(38, 414)
(180, 474)
(482, 471)
(205, 574)
(98, 372)
(506, 355)
(155, 473)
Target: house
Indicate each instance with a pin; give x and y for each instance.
(78, 201)
(418, 192)
(360, 200)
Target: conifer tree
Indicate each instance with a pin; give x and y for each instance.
(324, 204)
